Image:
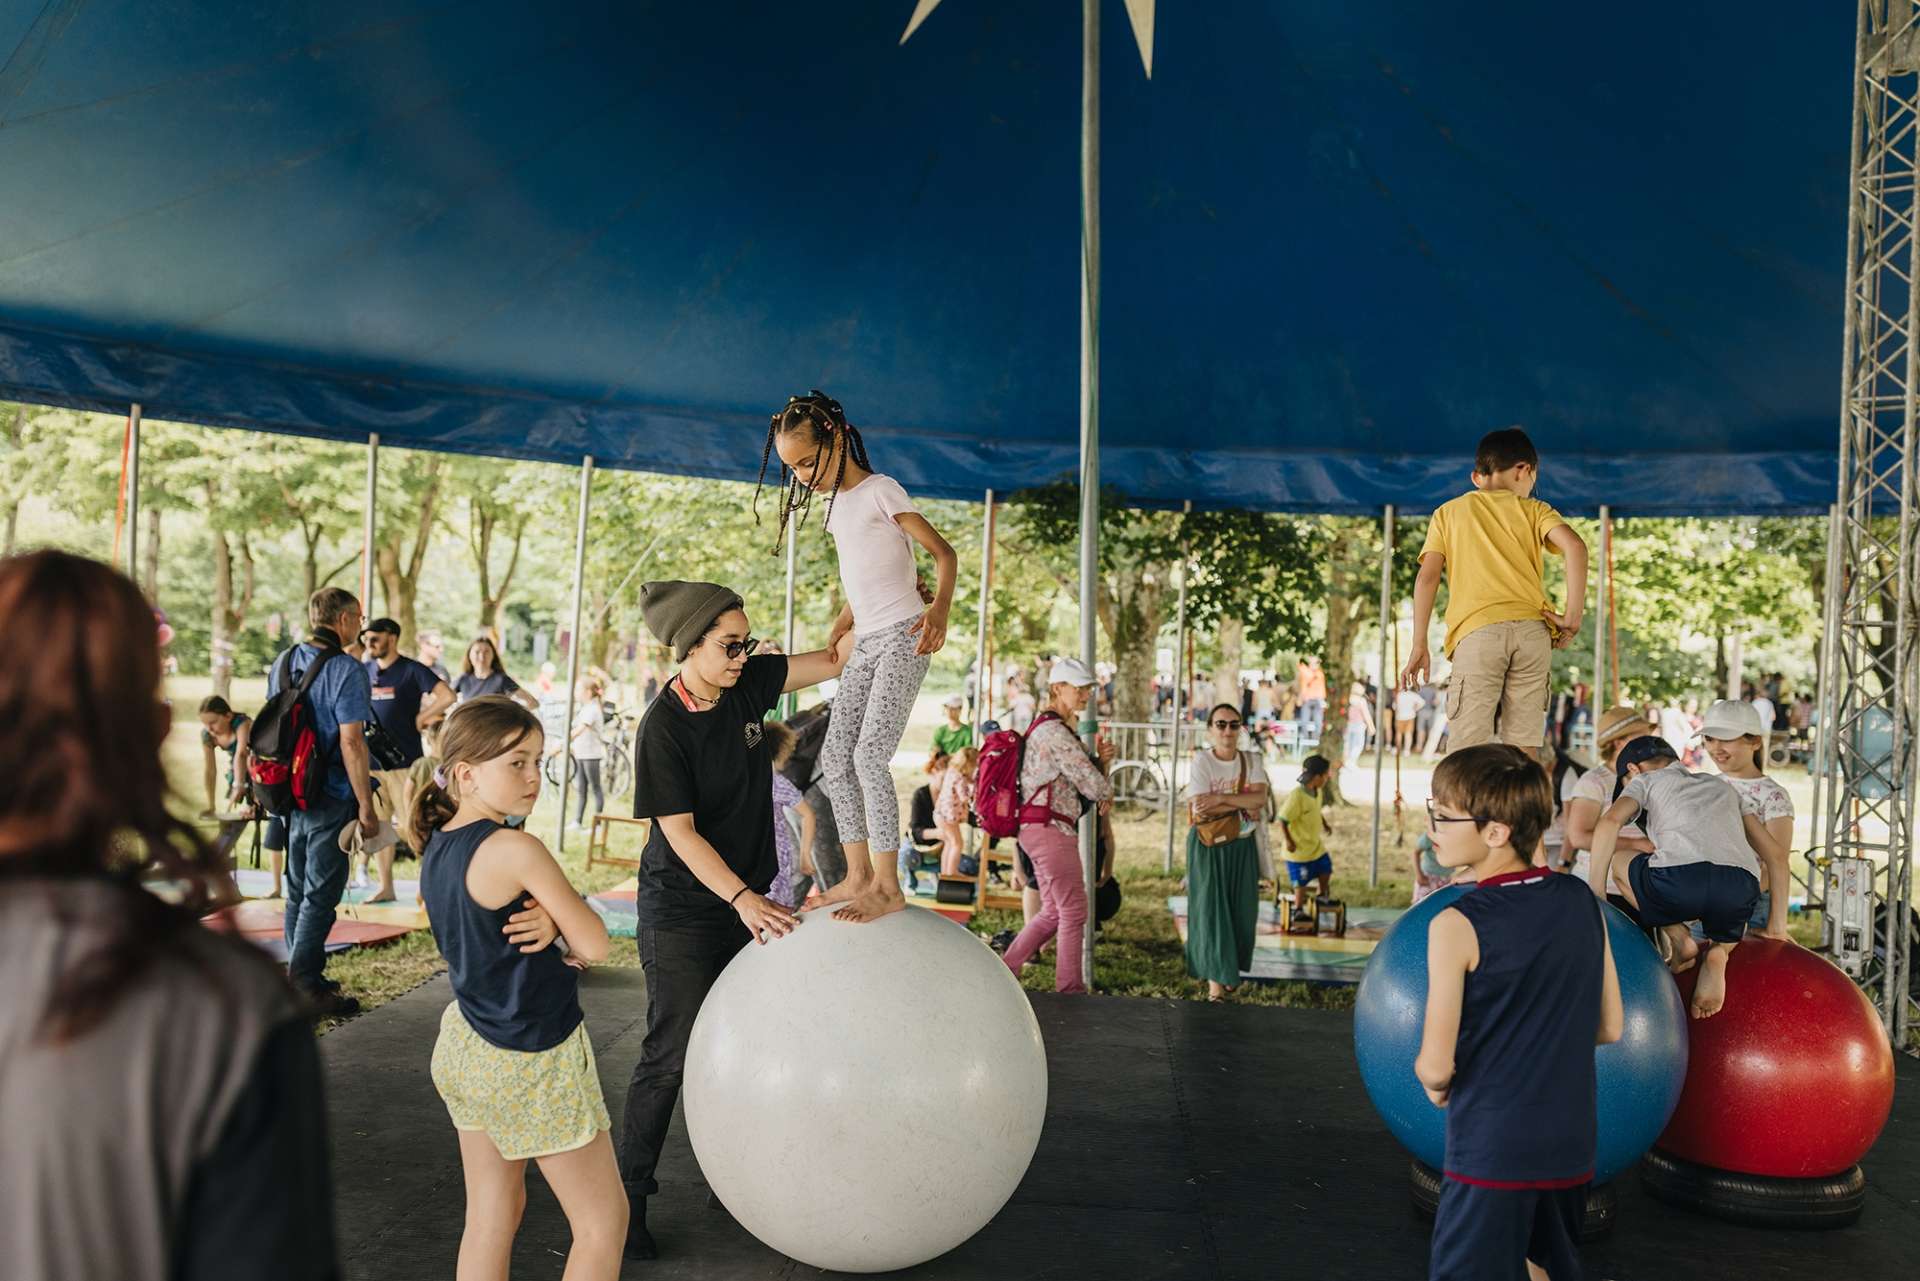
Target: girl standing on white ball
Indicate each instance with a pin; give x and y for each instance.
(513, 1061)
(896, 633)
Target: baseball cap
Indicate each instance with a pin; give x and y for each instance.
(1731, 718)
(1647, 747)
(386, 625)
(1069, 671)
(953, 700)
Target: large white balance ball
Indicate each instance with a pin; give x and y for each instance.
(866, 1097)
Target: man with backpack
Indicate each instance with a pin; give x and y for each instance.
(324, 750)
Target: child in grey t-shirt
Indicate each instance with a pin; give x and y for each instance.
(1703, 866)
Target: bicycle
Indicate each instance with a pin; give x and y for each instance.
(616, 769)
(1139, 789)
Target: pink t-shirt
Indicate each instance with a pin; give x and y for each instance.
(876, 556)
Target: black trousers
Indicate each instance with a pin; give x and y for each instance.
(681, 964)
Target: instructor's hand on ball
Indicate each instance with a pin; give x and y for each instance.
(531, 930)
(765, 918)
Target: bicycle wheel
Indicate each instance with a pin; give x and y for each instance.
(619, 769)
(1137, 790)
(552, 769)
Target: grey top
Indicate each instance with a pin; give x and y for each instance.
(108, 1137)
(1692, 818)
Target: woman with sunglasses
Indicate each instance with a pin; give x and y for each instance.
(703, 772)
(1223, 879)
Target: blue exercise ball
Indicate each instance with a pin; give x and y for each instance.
(1638, 1077)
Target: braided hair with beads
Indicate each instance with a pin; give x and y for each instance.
(821, 415)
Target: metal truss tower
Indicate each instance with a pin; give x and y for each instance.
(1871, 681)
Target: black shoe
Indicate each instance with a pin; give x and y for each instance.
(1001, 941)
(329, 1004)
(639, 1241)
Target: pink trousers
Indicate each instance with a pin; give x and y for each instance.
(1063, 904)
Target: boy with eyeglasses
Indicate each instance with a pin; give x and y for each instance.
(1304, 829)
(1520, 988)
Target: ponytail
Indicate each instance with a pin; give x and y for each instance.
(433, 808)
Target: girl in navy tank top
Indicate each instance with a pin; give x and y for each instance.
(513, 1062)
(1520, 989)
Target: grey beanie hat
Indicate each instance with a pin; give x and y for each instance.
(679, 614)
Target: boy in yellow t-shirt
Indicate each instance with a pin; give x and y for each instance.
(1305, 832)
(1501, 629)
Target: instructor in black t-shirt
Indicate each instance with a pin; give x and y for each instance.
(704, 774)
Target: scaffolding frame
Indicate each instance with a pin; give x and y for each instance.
(1868, 712)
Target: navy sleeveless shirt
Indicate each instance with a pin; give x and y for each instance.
(513, 1000)
(1521, 1114)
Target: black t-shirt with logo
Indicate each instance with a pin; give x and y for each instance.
(716, 765)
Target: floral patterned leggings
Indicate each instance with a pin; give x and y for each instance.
(870, 714)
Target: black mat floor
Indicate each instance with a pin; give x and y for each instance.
(1183, 1140)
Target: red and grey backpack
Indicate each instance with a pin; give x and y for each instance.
(996, 782)
(287, 770)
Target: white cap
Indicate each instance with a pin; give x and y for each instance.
(953, 700)
(1069, 671)
(1731, 718)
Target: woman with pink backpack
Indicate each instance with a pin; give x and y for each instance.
(1056, 782)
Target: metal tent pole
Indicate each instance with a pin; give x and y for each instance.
(1089, 418)
(982, 679)
(573, 649)
(366, 527)
(788, 702)
(133, 495)
(1819, 831)
(1600, 699)
(1388, 680)
(1179, 647)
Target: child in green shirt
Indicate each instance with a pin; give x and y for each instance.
(1305, 831)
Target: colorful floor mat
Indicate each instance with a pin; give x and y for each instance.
(405, 911)
(263, 924)
(1279, 957)
(617, 907)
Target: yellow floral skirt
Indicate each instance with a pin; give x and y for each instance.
(530, 1103)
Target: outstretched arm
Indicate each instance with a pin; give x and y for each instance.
(1613, 1014)
(817, 665)
(1425, 587)
(1606, 836)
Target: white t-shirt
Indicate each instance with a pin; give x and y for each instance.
(1595, 785)
(1764, 706)
(1692, 818)
(876, 556)
(1211, 774)
(1763, 798)
(1407, 704)
(590, 720)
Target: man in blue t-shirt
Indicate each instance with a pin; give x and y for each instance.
(407, 697)
(340, 701)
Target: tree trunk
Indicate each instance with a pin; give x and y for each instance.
(397, 588)
(12, 526)
(398, 567)
(220, 643)
(493, 603)
(1348, 600)
(150, 556)
(1720, 658)
(1131, 610)
(1226, 677)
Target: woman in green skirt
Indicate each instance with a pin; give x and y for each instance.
(1223, 879)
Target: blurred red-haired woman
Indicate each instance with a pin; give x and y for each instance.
(160, 1084)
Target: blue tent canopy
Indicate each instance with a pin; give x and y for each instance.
(1341, 241)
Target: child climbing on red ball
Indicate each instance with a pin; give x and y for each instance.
(895, 633)
(1702, 868)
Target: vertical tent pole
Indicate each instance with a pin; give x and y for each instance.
(1089, 418)
(1173, 738)
(1820, 831)
(982, 678)
(133, 495)
(366, 527)
(573, 648)
(1388, 680)
(1599, 699)
(789, 701)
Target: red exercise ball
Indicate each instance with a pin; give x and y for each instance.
(1793, 1078)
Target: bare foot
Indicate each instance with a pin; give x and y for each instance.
(842, 891)
(1710, 990)
(388, 897)
(1685, 951)
(871, 905)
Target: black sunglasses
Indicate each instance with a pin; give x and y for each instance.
(1434, 817)
(734, 649)
(1226, 724)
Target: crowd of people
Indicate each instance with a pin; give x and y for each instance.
(750, 819)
